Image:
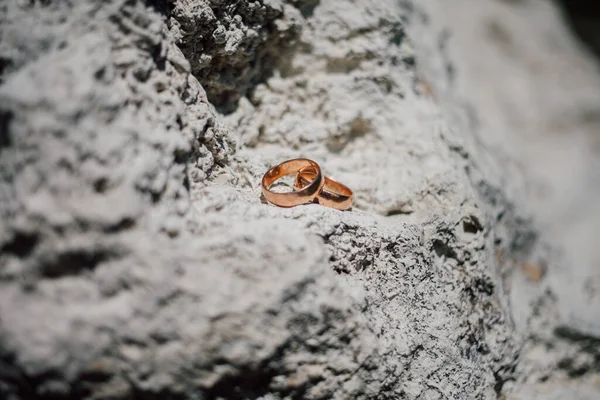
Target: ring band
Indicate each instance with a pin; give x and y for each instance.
(333, 194)
(306, 194)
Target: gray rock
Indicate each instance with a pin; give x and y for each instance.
(138, 259)
(233, 45)
(521, 87)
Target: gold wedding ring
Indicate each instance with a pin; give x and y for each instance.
(333, 194)
(303, 195)
(310, 186)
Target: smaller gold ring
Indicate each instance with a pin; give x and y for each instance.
(333, 194)
(305, 194)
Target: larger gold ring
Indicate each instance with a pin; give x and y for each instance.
(306, 194)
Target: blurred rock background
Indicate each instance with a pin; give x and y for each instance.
(139, 261)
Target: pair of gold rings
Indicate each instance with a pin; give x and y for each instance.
(310, 186)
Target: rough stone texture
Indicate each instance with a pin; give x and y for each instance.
(139, 261)
(233, 45)
(527, 93)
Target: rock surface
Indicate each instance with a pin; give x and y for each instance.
(138, 259)
(526, 89)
